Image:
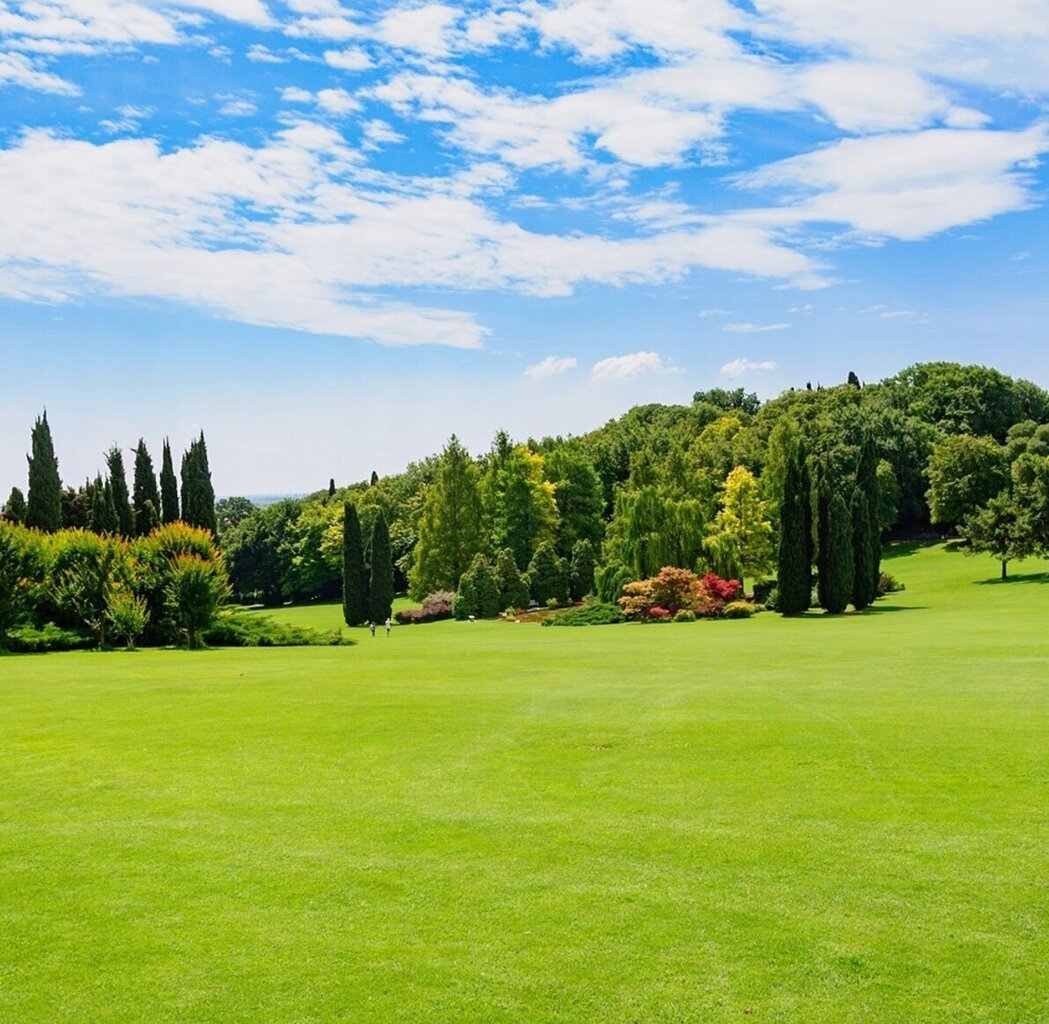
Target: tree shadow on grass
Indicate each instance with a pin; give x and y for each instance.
(1030, 577)
(902, 549)
(815, 615)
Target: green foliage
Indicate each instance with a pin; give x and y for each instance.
(743, 527)
(740, 610)
(194, 592)
(87, 570)
(794, 564)
(30, 639)
(380, 582)
(237, 629)
(684, 615)
(354, 574)
(548, 575)
(609, 581)
(866, 530)
(1004, 528)
(169, 511)
(259, 554)
(887, 507)
(145, 494)
(478, 594)
(835, 550)
(118, 488)
(450, 532)
(596, 614)
(15, 507)
(198, 494)
(520, 503)
(229, 512)
(581, 573)
(513, 584)
(579, 497)
(964, 473)
(16, 545)
(128, 615)
(44, 501)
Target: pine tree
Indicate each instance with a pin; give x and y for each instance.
(104, 518)
(478, 592)
(794, 573)
(15, 508)
(331, 488)
(354, 576)
(866, 529)
(198, 494)
(118, 486)
(146, 495)
(374, 479)
(548, 575)
(44, 501)
(168, 487)
(582, 571)
(450, 527)
(513, 585)
(380, 582)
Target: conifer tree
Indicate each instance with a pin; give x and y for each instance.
(513, 584)
(794, 572)
(331, 488)
(582, 570)
(354, 576)
(15, 508)
(168, 487)
(866, 530)
(118, 487)
(548, 575)
(198, 494)
(374, 479)
(478, 591)
(146, 495)
(380, 582)
(836, 556)
(44, 501)
(104, 518)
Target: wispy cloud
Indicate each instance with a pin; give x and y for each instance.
(550, 366)
(637, 364)
(738, 367)
(749, 328)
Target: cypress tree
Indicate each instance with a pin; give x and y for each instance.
(582, 572)
(513, 585)
(380, 582)
(168, 487)
(15, 509)
(836, 567)
(198, 494)
(146, 495)
(44, 502)
(374, 479)
(331, 488)
(794, 572)
(866, 529)
(354, 577)
(118, 486)
(103, 509)
(548, 575)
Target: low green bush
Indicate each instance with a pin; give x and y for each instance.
(685, 615)
(740, 610)
(37, 640)
(587, 615)
(235, 629)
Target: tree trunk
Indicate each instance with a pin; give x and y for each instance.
(1004, 564)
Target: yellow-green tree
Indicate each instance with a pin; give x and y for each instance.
(742, 525)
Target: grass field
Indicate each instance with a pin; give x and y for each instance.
(824, 819)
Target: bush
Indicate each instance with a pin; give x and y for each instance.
(888, 584)
(740, 610)
(588, 615)
(31, 640)
(193, 595)
(658, 614)
(236, 629)
(433, 612)
(552, 603)
(684, 615)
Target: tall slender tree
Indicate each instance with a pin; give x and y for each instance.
(118, 485)
(168, 487)
(866, 530)
(380, 580)
(198, 494)
(14, 509)
(794, 572)
(44, 501)
(836, 557)
(354, 575)
(146, 495)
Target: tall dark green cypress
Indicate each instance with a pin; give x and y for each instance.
(198, 494)
(44, 501)
(146, 495)
(354, 576)
(794, 575)
(380, 581)
(835, 582)
(866, 529)
(168, 487)
(118, 485)
(14, 509)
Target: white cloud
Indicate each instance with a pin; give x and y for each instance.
(260, 54)
(237, 106)
(424, 29)
(348, 60)
(749, 328)
(738, 367)
(706, 313)
(550, 366)
(17, 69)
(337, 101)
(637, 364)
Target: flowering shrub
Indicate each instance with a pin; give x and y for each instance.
(674, 590)
(433, 611)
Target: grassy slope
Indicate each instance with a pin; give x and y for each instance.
(815, 820)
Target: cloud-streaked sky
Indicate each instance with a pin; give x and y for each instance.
(331, 235)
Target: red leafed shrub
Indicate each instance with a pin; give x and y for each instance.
(719, 589)
(673, 590)
(655, 612)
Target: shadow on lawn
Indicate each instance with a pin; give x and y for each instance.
(902, 549)
(1030, 577)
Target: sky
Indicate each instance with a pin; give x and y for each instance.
(330, 236)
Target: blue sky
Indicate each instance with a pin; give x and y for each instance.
(332, 235)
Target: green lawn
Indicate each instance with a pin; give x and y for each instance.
(837, 820)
